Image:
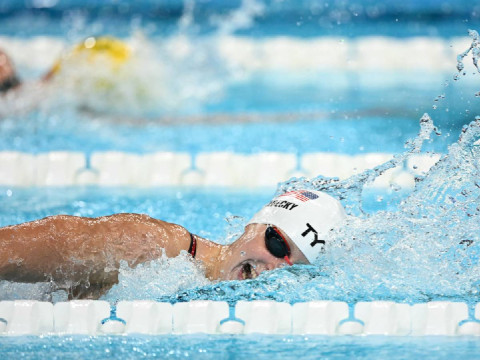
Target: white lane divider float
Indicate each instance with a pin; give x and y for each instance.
(318, 317)
(89, 317)
(384, 317)
(218, 169)
(79, 317)
(199, 316)
(438, 318)
(265, 316)
(25, 317)
(142, 317)
(435, 54)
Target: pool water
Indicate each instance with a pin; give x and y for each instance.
(238, 347)
(405, 245)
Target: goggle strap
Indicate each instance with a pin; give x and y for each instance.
(288, 260)
(283, 238)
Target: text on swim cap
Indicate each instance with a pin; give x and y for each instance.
(315, 234)
(282, 204)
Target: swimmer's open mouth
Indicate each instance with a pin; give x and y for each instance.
(247, 271)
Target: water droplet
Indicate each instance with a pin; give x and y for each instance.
(9, 192)
(434, 107)
(395, 187)
(243, 253)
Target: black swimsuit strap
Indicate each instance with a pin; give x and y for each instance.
(192, 250)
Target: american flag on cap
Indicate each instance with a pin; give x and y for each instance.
(302, 195)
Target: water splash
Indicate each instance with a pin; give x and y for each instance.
(242, 18)
(430, 246)
(157, 278)
(426, 249)
(351, 189)
(474, 49)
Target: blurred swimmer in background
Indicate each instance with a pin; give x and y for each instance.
(100, 75)
(83, 255)
(93, 51)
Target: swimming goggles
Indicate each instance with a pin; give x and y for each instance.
(276, 244)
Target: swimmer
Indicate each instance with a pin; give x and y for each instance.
(8, 77)
(82, 255)
(106, 52)
(99, 75)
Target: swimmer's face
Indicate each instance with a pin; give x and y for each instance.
(248, 256)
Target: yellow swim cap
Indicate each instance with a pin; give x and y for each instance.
(94, 49)
(105, 74)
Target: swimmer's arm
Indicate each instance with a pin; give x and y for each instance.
(67, 248)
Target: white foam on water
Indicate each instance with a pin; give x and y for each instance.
(157, 278)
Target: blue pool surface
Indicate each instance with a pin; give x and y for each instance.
(306, 18)
(406, 246)
(299, 137)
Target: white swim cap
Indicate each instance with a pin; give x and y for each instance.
(306, 216)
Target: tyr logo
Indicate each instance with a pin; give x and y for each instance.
(315, 235)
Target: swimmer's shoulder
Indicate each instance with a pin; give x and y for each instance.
(172, 237)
